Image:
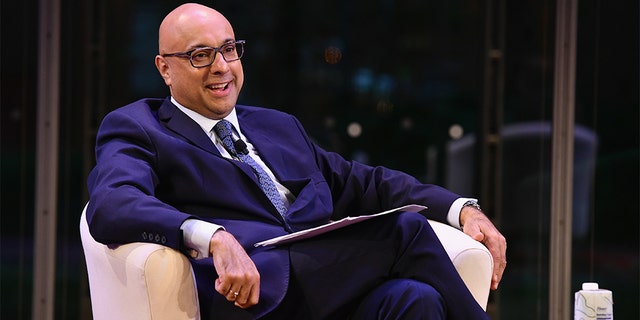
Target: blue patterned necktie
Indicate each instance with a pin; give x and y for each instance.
(223, 130)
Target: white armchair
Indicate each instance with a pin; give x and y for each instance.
(149, 281)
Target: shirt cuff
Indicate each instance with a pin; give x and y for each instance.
(196, 236)
(453, 217)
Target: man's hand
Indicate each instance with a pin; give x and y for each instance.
(479, 227)
(238, 278)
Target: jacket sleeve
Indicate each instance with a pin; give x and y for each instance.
(122, 206)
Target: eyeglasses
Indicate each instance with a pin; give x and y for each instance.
(204, 57)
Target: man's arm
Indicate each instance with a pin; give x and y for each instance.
(196, 235)
(236, 271)
(238, 278)
(123, 207)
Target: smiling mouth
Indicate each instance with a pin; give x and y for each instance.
(219, 86)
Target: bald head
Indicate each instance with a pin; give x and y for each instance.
(211, 90)
(183, 22)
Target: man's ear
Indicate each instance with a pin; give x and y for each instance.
(163, 68)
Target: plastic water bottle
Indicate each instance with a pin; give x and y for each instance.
(593, 303)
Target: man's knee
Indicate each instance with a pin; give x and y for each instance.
(412, 224)
(402, 299)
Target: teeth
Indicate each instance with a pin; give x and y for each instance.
(218, 86)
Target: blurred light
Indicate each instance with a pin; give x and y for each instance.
(363, 80)
(332, 55)
(384, 85)
(406, 123)
(354, 130)
(384, 106)
(456, 131)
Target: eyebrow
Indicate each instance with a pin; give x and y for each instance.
(201, 45)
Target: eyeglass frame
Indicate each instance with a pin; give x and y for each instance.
(216, 50)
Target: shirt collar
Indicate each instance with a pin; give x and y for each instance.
(205, 123)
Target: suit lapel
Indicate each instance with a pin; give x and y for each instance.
(180, 123)
(267, 149)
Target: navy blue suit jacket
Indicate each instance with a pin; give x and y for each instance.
(155, 167)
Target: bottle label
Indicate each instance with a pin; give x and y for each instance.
(593, 305)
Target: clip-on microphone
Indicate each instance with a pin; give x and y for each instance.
(241, 147)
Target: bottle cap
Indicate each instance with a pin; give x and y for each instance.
(590, 286)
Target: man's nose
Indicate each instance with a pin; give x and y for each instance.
(219, 65)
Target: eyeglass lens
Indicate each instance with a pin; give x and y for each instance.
(205, 56)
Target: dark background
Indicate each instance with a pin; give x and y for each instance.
(408, 71)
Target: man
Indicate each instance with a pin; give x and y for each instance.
(198, 173)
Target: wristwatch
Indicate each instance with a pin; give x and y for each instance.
(472, 203)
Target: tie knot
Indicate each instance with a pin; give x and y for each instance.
(223, 129)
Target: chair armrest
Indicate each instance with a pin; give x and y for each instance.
(138, 280)
(471, 258)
